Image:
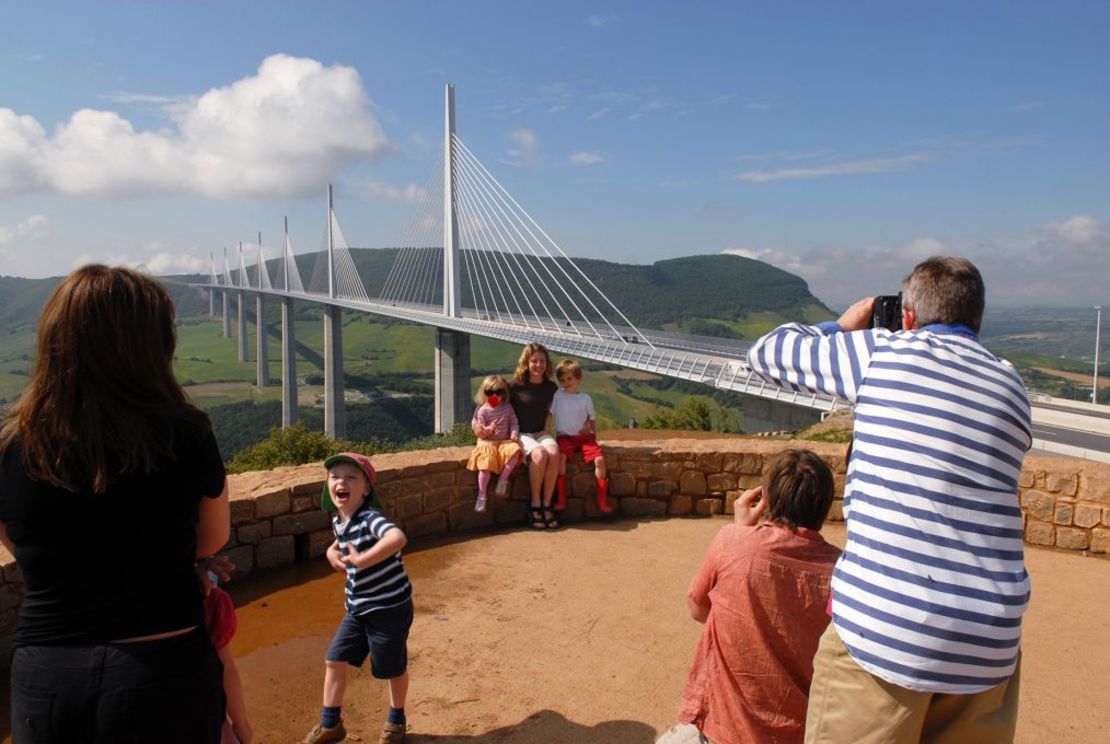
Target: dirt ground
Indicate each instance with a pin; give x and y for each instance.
(581, 635)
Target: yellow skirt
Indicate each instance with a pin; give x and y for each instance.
(491, 455)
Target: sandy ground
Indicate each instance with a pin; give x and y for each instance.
(581, 635)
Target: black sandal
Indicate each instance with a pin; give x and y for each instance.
(551, 522)
(536, 519)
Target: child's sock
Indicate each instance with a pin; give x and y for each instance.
(483, 482)
(330, 715)
(397, 716)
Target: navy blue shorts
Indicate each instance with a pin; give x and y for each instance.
(382, 635)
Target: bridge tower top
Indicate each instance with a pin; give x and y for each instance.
(452, 303)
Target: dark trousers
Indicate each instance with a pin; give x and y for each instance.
(168, 691)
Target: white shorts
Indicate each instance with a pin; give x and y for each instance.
(538, 439)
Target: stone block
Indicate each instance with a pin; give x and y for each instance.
(749, 481)
(510, 512)
(1039, 533)
(1039, 505)
(1026, 479)
(637, 507)
(1064, 483)
(426, 524)
(437, 480)
(243, 559)
(442, 466)
(271, 504)
(318, 542)
(393, 489)
(612, 461)
(298, 504)
(709, 506)
(1095, 488)
(708, 462)
(412, 471)
(242, 511)
(408, 506)
(1063, 512)
(254, 533)
(660, 489)
(1106, 516)
(721, 481)
(310, 490)
(1071, 538)
(438, 498)
(584, 485)
(680, 505)
(622, 484)
(275, 551)
(1086, 515)
(730, 500)
(665, 470)
(642, 488)
(463, 517)
(1100, 540)
(384, 475)
(693, 483)
(297, 524)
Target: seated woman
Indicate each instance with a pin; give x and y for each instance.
(762, 593)
(531, 392)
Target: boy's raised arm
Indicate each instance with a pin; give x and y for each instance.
(391, 542)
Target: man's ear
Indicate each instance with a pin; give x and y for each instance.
(908, 319)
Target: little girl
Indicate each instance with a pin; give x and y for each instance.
(498, 449)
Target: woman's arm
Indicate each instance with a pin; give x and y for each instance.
(7, 541)
(213, 524)
(236, 704)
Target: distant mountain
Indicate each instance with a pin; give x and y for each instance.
(711, 295)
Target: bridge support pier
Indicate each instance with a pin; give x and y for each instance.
(289, 409)
(335, 411)
(452, 365)
(212, 302)
(262, 340)
(244, 348)
(227, 315)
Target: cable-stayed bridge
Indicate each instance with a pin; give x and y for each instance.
(474, 262)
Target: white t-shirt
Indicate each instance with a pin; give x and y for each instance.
(572, 411)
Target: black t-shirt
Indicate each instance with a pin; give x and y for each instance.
(532, 401)
(102, 567)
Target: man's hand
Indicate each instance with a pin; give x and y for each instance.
(858, 316)
(749, 507)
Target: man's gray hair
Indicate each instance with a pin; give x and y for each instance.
(945, 289)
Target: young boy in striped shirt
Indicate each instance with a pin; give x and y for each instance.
(367, 548)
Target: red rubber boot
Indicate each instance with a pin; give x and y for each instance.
(603, 496)
(561, 493)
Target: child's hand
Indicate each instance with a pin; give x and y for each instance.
(749, 507)
(586, 430)
(335, 558)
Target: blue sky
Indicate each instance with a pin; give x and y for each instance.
(841, 141)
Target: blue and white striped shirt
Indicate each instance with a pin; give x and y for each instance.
(385, 584)
(931, 587)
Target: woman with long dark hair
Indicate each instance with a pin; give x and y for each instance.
(111, 487)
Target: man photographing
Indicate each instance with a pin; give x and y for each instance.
(928, 596)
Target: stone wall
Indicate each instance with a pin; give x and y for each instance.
(276, 518)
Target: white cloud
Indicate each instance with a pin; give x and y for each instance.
(1076, 229)
(844, 168)
(1026, 106)
(597, 20)
(586, 158)
(383, 192)
(176, 263)
(1058, 264)
(526, 154)
(272, 133)
(35, 224)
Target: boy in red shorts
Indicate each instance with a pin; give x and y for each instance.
(576, 429)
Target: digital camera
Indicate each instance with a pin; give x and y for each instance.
(887, 312)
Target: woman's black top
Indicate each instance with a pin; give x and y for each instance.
(532, 401)
(103, 567)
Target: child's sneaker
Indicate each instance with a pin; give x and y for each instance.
(480, 504)
(323, 735)
(502, 489)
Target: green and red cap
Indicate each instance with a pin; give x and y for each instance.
(363, 463)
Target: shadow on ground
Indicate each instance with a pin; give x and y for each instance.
(551, 728)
